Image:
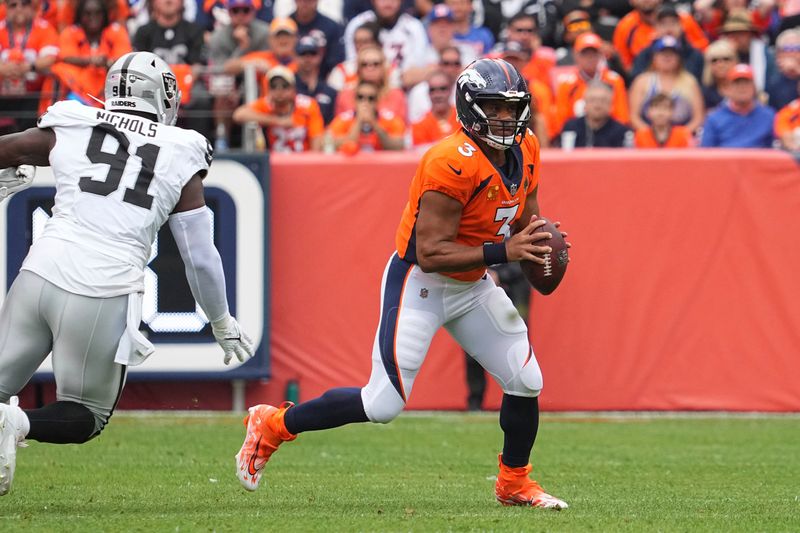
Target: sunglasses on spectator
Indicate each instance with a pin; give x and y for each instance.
(21, 3)
(307, 53)
(450, 63)
(525, 30)
(721, 58)
(365, 64)
(366, 97)
(789, 48)
(240, 10)
(439, 88)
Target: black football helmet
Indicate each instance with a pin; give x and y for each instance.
(493, 79)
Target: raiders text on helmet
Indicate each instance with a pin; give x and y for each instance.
(142, 81)
(487, 80)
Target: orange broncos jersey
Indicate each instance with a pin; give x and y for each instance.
(632, 35)
(430, 129)
(307, 119)
(458, 168)
(571, 87)
(788, 118)
(679, 137)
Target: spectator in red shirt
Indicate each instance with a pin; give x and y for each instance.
(441, 120)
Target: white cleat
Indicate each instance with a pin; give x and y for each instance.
(11, 437)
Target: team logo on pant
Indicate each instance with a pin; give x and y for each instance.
(423, 293)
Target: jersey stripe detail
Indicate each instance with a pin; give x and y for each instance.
(393, 290)
(123, 77)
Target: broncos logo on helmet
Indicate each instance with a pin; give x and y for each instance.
(493, 80)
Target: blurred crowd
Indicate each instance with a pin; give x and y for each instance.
(364, 75)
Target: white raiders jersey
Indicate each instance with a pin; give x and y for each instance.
(118, 177)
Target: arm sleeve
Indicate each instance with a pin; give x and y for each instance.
(192, 231)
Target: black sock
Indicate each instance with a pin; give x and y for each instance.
(61, 423)
(335, 408)
(519, 419)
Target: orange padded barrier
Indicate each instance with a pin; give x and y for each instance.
(682, 292)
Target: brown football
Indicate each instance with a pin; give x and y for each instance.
(545, 278)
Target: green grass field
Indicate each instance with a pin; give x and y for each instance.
(420, 473)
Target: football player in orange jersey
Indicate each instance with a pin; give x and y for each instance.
(472, 204)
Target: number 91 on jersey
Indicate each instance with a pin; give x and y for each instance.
(171, 319)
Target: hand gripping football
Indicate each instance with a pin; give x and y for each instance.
(545, 278)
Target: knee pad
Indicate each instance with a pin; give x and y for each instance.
(382, 406)
(527, 380)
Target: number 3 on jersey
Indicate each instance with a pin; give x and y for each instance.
(506, 214)
(116, 162)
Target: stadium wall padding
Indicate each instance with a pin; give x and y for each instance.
(682, 291)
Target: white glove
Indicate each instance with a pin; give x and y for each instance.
(232, 339)
(15, 179)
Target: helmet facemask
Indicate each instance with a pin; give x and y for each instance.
(502, 134)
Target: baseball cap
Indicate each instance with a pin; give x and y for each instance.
(440, 12)
(512, 48)
(307, 43)
(741, 71)
(282, 24)
(281, 72)
(666, 43)
(588, 40)
(667, 11)
(737, 20)
(239, 3)
(577, 20)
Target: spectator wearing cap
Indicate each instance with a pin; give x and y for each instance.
(596, 128)
(366, 127)
(571, 87)
(229, 43)
(667, 75)
(711, 14)
(450, 64)
(543, 114)
(787, 125)
(292, 122)
(720, 57)
(282, 43)
(478, 37)
(574, 23)
(662, 133)
(441, 120)
(327, 31)
(309, 78)
(782, 85)
(637, 30)
(441, 33)
(668, 24)
(741, 121)
(750, 50)
(524, 28)
(402, 36)
(212, 14)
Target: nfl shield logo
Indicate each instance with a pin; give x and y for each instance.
(513, 189)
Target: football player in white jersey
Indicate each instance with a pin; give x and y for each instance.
(121, 173)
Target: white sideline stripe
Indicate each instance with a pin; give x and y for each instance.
(565, 416)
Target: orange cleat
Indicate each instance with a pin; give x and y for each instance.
(265, 432)
(514, 487)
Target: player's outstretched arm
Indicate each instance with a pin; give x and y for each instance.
(191, 226)
(30, 147)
